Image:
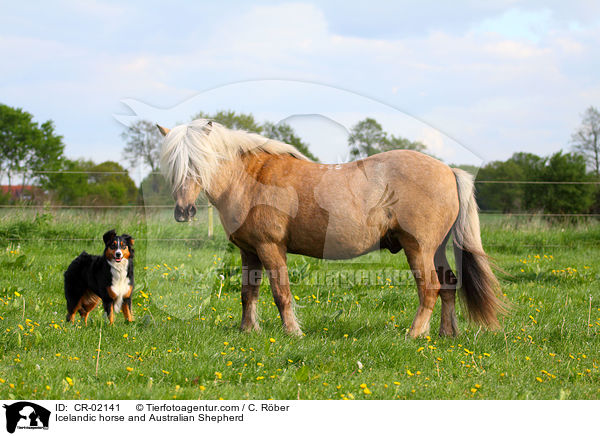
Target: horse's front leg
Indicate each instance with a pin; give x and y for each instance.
(251, 278)
(273, 257)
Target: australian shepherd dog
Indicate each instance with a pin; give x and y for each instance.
(108, 278)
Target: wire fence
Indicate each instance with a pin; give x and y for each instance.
(149, 207)
(206, 206)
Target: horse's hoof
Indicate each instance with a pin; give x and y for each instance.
(449, 333)
(250, 328)
(413, 334)
(295, 332)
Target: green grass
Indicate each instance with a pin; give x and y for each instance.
(185, 341)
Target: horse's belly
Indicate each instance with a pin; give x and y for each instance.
(333, 244)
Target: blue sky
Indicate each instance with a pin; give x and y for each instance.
(476, 81)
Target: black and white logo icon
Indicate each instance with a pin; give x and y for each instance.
(26, 415)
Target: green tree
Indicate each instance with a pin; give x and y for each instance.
(154, 190)
(500, 196)
(565, 197)
(510, 197)
(281, 131)
(367, 138)
(27, 149)
(82, 182)
(285, 133)
(70, 185)
(233, 120)
(544, 197)
(586, 140)
(109, 184)
(143, 142)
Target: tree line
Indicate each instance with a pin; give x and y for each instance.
(561, 183)
(32, 154)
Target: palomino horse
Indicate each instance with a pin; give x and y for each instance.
(272, 200)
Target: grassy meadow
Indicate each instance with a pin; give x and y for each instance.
(185, 342)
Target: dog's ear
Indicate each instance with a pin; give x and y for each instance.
(130, 241)
(108, 236)
(128, 238)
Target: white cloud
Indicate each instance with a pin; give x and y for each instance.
(495, 88)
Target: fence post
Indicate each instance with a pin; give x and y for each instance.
(210, 221)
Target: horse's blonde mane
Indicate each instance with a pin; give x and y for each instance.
(197, 149)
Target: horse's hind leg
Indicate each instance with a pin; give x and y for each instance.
(273, 257)
(447, 279)
(423, 268)
(251, 278)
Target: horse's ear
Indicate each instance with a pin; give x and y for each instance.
(163, 130)
(208, 127)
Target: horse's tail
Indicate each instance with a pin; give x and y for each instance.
(480, 288)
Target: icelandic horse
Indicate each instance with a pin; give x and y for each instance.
(272, 200)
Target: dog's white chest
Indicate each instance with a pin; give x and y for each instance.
(120, 281)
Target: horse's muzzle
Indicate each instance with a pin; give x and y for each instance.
(183, 214)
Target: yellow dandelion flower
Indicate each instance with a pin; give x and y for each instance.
(272, 340)
(219, 375)
(129, 368)
(69, 381)
(367, 391)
